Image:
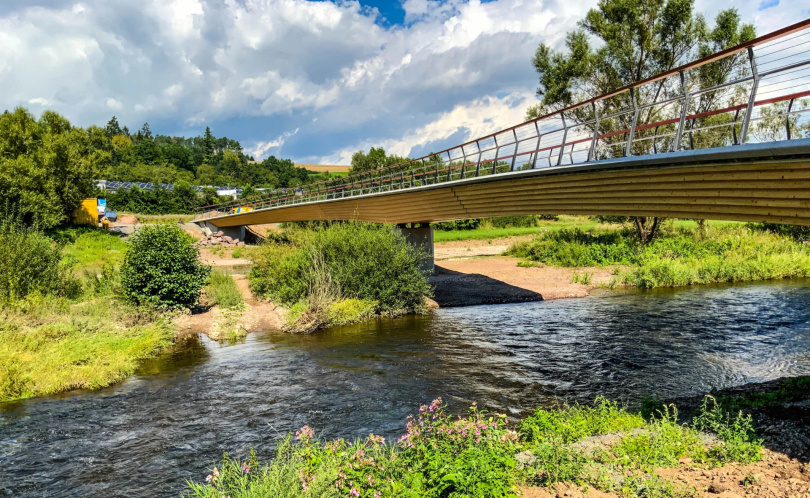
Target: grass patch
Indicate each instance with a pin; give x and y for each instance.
(51, 345)
(480, 455)
(222, 290)
(162, 218)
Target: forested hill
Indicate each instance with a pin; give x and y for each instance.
(201, 160)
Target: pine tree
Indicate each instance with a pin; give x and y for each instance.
(113, 128)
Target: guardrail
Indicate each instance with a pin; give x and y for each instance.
(763, 96)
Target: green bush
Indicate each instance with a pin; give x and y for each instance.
(363, 261)
(447, 226)
(573, 248)
(162, 268)
(30, 262)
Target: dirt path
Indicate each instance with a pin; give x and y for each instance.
(258, 316)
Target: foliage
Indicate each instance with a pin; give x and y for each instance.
(49, 345)
(376, 158)
(179, 200)
(682, 257)
(575, 248)
(47, 166)
(470, 224)
(222, 290)
(345, 311)
(480, 456)
(30, 263)
(360, 261)
(737, 432)
(573, 423)
(162, 268)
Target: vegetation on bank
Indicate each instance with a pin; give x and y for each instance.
(482, 455)
(340, 273)
(679, 257)
(75, 312)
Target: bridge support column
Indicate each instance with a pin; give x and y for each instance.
(420, 235)
(236, 233)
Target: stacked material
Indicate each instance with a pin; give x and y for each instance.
(219, 239)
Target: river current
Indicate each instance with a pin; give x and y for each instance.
(171, 421)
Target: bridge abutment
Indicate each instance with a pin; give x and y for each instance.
(236, 233)
(419, 235)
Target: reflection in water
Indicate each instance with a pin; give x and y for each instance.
(171, 422)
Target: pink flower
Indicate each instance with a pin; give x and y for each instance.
(354, 492)
(304, 433)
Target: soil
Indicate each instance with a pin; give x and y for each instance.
(221, 257)
(463, 249)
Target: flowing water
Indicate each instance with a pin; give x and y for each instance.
(171, 422)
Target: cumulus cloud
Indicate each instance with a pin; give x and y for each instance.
(322, 79)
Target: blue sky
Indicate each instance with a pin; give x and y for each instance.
(311, 81)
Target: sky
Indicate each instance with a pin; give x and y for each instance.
(312, 81)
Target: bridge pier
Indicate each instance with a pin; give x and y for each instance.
(236, 233)
(419, 235)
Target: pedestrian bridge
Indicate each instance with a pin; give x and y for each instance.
(677, 144)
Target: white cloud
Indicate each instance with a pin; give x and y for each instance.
(325, 68)
(260, 149)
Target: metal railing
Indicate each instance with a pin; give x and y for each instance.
(761, 95)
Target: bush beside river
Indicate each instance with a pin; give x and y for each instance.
(339, 274)
(680, 257)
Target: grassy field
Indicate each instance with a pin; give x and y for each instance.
(161, 218)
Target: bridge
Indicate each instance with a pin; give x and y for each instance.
(673, 145)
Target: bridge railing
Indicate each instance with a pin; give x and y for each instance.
(758, 91)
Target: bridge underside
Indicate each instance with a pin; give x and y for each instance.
(756, 184)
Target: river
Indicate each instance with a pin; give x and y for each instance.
(172, 421)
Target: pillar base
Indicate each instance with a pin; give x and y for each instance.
(420, 235)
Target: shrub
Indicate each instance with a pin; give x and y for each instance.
(363, 261)
(162, 268)
(470, 224)
(30, 262)
(520, 221)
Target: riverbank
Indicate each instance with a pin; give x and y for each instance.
(572, 450)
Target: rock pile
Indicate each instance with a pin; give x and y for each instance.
(219, 239)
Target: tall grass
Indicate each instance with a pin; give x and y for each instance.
(51, 345)
(222, 290)
(681, 257)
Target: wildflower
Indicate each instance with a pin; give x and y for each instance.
(304, 433)
(354, 492)
(245, 468)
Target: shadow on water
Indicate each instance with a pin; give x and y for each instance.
(171, 422)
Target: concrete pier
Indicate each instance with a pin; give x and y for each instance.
(420, 235)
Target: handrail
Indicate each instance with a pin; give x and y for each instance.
(442, 161)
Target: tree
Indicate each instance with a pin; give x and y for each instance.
(113, 129)
(375, 159)
(208, 145)
(636, 39)
(47, 166)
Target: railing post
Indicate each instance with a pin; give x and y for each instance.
(787, 117)
(514, 155)
(449, 165)
(536, 149)
(595, 132)
(463, 162)
(628, 151)
(684, 105)
(562, 145)
(478, 163)
(750, 108)
(497, 151)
